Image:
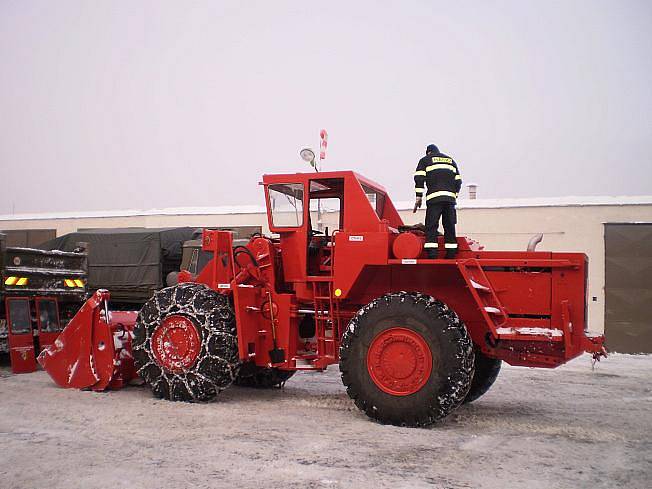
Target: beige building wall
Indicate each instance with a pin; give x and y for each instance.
(69, 225)
(565, 228)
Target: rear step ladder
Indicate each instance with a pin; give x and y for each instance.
(500, 324)
(490, 306)
(326, 322)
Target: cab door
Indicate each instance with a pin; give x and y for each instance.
(47, 318)
(21, 335)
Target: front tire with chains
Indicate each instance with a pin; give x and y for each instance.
(216, 364)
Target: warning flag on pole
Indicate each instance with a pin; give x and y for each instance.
(323, 136)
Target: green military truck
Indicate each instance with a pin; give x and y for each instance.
(133, 263)
(40, 291)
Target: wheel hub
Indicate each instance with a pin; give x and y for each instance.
(399, 361)
(176, 344)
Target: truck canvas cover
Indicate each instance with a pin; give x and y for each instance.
(131, 262)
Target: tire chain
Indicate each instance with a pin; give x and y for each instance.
(455, 329)
(486, 373)
(217, 366)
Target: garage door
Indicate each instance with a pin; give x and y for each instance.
(29, 237)
(628, 287)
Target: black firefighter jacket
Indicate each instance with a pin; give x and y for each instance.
(440, 174)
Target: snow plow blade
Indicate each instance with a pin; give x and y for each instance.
(94, 350)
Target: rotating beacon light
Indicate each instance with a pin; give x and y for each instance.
(309, 156)
(323, 137)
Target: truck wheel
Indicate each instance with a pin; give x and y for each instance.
(406, 359)
(261, 377)
(185, 344)
(486, 372)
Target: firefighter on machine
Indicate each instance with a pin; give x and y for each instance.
(439, 173)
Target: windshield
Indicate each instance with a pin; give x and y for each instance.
(286, 204)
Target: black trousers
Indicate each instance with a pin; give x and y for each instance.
(448, 215)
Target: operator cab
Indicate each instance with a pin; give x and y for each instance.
(306, 210)
(324, 216)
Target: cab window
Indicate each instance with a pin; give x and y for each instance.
(326, 196)
(19, 316)
(48, 317)
(326, 214)
(286, 205)
(376, 199)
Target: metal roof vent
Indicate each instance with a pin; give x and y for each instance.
(473, 190)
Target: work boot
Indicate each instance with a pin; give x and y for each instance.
(432, 254)
(451, 254)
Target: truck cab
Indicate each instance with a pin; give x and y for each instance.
(40, 291)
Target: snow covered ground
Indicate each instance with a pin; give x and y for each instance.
(566, 428)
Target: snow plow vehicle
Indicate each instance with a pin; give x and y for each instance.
(40, 291)
(414, 337)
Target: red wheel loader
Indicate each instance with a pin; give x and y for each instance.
(342, 280)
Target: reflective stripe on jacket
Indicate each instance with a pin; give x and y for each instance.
(438, 173)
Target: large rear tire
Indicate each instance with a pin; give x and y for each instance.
(406, 359)
(185, 344)
(486, 372)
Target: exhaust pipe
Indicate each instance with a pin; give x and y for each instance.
(534, 241)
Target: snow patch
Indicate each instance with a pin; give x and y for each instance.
(531, 331)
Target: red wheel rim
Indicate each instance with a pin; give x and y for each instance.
(176, 344)
(399, 361)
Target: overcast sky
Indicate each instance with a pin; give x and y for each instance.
(139, 104)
